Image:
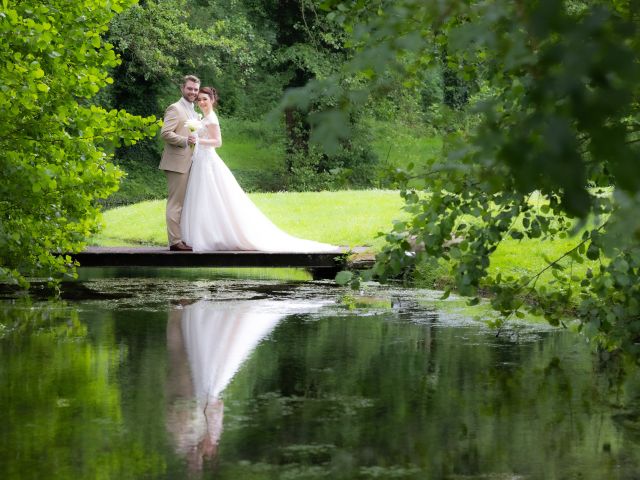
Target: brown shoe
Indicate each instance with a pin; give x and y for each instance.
(180, 247)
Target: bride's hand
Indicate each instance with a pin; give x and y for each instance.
(192, 139)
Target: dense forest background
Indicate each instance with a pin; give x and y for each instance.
(253, 52)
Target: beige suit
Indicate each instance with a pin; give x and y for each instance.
(176, 162)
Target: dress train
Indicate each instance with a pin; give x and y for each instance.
(218, 214)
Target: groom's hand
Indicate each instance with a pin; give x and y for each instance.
(192, 139)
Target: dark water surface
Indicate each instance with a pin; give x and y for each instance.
(266, 379)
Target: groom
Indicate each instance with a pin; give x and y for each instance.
(176, 157)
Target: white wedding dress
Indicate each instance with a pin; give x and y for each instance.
(218, 215)
(217, 339)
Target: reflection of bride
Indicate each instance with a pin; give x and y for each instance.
(217, 214)
(207, 343)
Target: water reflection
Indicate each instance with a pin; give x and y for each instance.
(60, 400)
(207, 342)
(132, 387)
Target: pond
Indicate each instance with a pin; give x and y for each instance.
(161, 377)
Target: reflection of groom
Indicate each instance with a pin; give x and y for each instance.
(195, 423)
(176, 157)
(208, 342)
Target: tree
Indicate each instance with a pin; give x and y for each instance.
(252, 52)
(56, 143)
(557, 116)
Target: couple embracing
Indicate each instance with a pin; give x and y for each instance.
(206, 208)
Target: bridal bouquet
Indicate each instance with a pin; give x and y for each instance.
(193, 124)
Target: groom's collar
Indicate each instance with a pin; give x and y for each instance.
(186, 103)
(191, 112)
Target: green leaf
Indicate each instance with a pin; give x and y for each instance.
(593, 252)
(344, 277)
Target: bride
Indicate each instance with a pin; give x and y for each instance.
(217, 214)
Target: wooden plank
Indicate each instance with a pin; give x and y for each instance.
(322, 265)
(162, 257)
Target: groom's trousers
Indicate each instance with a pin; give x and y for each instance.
(177, 184)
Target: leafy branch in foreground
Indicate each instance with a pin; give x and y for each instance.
(553, 112)
(57, 145)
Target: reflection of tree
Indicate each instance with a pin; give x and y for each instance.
(344, 397)
(374, 396)
(60, 401)
(207, 343)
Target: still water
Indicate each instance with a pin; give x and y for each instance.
(233, 378)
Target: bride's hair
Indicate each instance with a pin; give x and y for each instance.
(212, 93)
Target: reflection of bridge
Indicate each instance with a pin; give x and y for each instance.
(321, 265)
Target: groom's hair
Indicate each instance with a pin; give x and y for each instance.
(190, 78)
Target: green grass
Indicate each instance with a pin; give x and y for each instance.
(250, 146)
(253, 146)
(344, 218)
(397, 145)
(526, 257)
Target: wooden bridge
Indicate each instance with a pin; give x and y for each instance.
(321, 265)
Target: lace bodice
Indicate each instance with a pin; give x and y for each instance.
(207, 140)
(211, 119)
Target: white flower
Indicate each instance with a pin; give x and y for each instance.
(193, 124)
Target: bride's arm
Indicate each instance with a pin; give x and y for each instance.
(215, 136)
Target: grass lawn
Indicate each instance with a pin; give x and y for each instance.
(350, 217)
(249, 146)
(519, 258)
(526, 257)
(398, 146)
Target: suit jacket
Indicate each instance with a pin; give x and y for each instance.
(176, 156)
